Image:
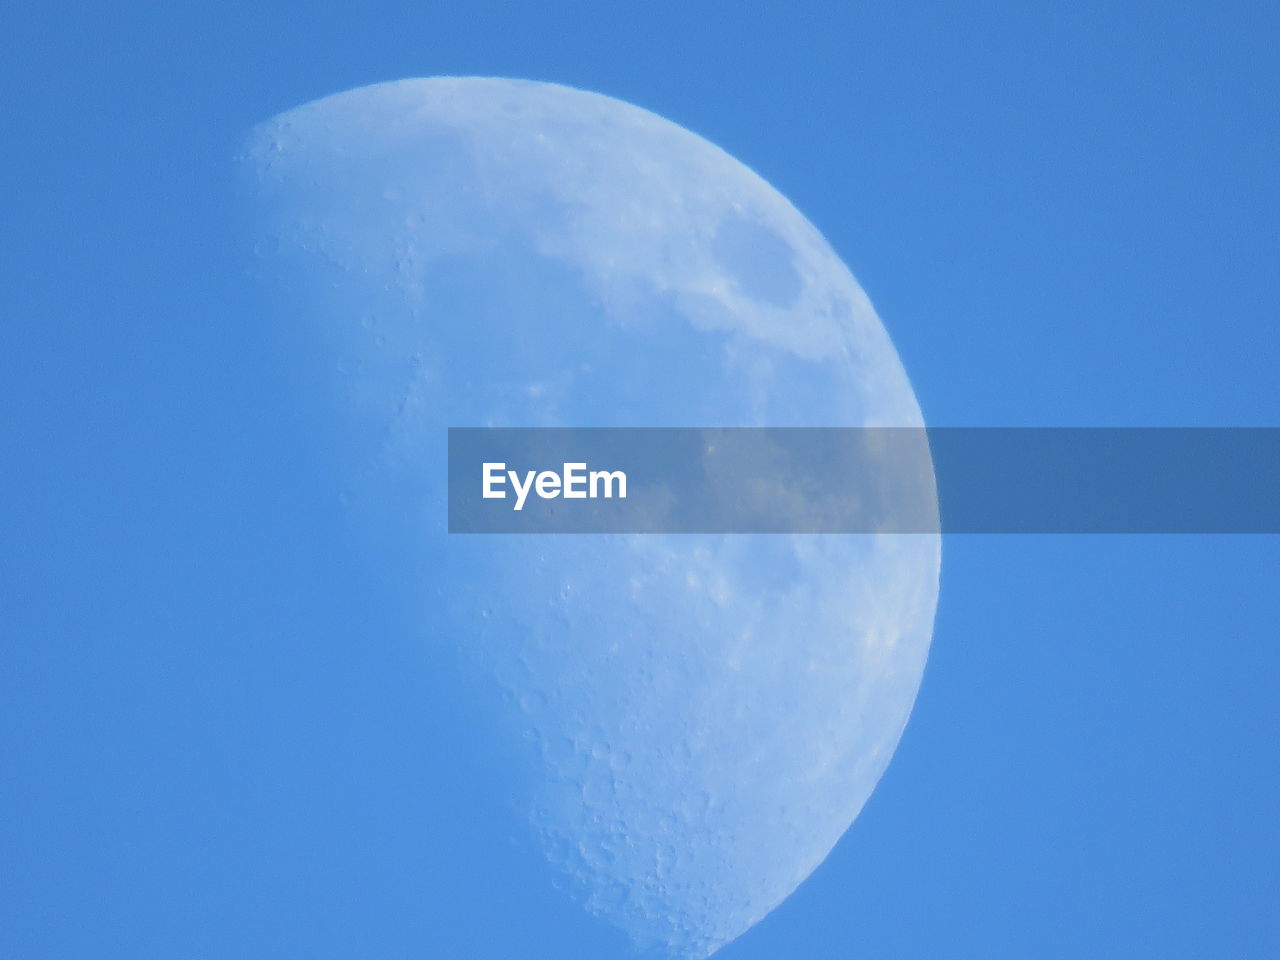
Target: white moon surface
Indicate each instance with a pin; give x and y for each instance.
(693, 721)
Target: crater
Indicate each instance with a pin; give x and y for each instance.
(760, 263)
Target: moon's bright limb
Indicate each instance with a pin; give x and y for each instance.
(700, 718)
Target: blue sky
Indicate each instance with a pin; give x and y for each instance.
(1065, 216)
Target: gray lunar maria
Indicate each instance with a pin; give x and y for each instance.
(692, 720)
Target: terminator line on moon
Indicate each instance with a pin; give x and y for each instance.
(695, 720)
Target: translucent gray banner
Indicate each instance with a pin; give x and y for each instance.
(864, 480)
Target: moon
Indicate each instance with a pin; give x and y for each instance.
(689, 722)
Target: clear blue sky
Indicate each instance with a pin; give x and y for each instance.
(1065, 214)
